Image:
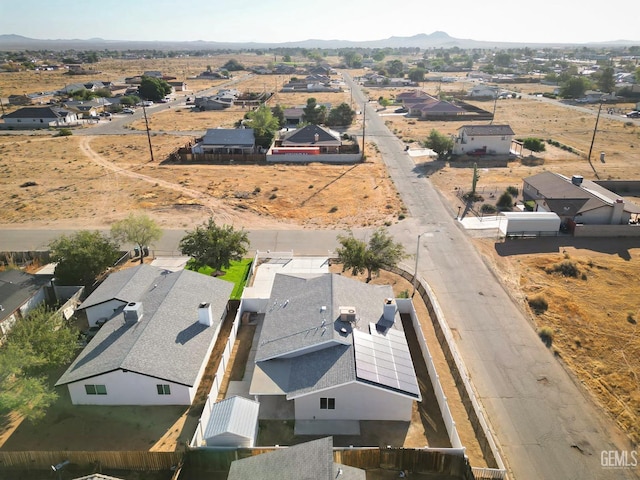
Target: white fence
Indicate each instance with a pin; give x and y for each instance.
(198, 439)
(406, 306)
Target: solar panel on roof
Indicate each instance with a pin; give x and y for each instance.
(384, 359)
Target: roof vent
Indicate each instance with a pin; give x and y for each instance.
(577, 180)
(348, 314)
(205, 314)
(132, 312)
(389, 310)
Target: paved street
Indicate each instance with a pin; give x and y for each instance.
(544, 424)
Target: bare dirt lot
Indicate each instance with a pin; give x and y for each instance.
(92, 181)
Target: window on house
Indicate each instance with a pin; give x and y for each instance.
(327, 403)
(164, 389)
(95, 389)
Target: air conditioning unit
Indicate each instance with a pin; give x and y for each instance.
(348, 314)
(133, 312)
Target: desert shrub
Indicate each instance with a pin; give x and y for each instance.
(472, 197)
(513, 191)
(333, 209)
(505, 201)
(64, 132)
(488, 208)
(538, 304)
(631, 319)
(404, 294)
(546, 335)
(566, 268)
(530, 205)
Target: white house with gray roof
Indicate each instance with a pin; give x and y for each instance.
(335, 347)
(155, 344)
(492, 139)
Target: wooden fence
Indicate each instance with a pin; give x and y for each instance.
(125, 460)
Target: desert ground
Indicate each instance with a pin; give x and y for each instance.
(95, 180)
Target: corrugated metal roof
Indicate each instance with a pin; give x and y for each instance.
(235, 415)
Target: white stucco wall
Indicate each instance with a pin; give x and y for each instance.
(496, 145)
(103, 310)
(355, 401)
(129, 388)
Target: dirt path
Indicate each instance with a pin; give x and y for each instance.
(215, 207)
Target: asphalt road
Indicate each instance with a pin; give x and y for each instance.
(545, 425)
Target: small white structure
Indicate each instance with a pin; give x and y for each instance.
(483, 139)
(530, 223)
(233, 423)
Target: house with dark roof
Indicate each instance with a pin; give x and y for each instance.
(40, 117)
(311, 135)
(158, 333)
(488, 139)
(333, 348)
(305, 460)
(20, 292)
(227, 141)
(434, 108)
(577, 200)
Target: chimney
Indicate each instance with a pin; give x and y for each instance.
(389, 310)
(577, 180)
(133, 312)
(617, 211)
(205, 315)
(316, 137)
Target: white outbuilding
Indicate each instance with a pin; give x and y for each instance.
(530, 223)
(233, 423)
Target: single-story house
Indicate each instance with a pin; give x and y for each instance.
(178, 86)
(434, 108)
(20, 292)
(335, 347)
(227, 140)
(414, 96)
(152, 73)
(40, 117)
(484, 91)
(233, 423)
(311, 135)
(577, 200)
(293, 115)
(312, 459)
(158, 333)
(489, 139)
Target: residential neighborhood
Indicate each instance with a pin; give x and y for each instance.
(322, 262)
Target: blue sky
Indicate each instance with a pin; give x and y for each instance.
(294, 20)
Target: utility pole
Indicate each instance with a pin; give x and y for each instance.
(364, 123)
(595, 129)
(146, 122)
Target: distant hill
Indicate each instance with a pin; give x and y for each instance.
(423, 41)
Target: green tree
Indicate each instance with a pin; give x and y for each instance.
(534, 144)
(129, 100)
(439, 143)
(314, 113)
(286, 59)
(381, 252)
(154, 89)
(264, 125)
(378, 56)
(214, 246)
(82, 256)
(417, 75)
(40, 341)
(278, 113)
(395, 68)
(606, 81)
(342, 115)
(139, 230)
(233, 65)
(45, 335)
(352, 59)
(574, 87)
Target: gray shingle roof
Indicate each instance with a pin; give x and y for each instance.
(312, 460)
(243, 137)
(16, 287)
(306, 136)
(487, 130)
(236, 415)
(35, 112)
(168, 342)
(302, 347)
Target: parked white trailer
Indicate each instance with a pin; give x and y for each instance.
(530, 223)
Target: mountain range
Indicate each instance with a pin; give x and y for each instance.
(12, 42)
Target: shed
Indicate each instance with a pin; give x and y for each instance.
(233, 423)
(530, 223)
